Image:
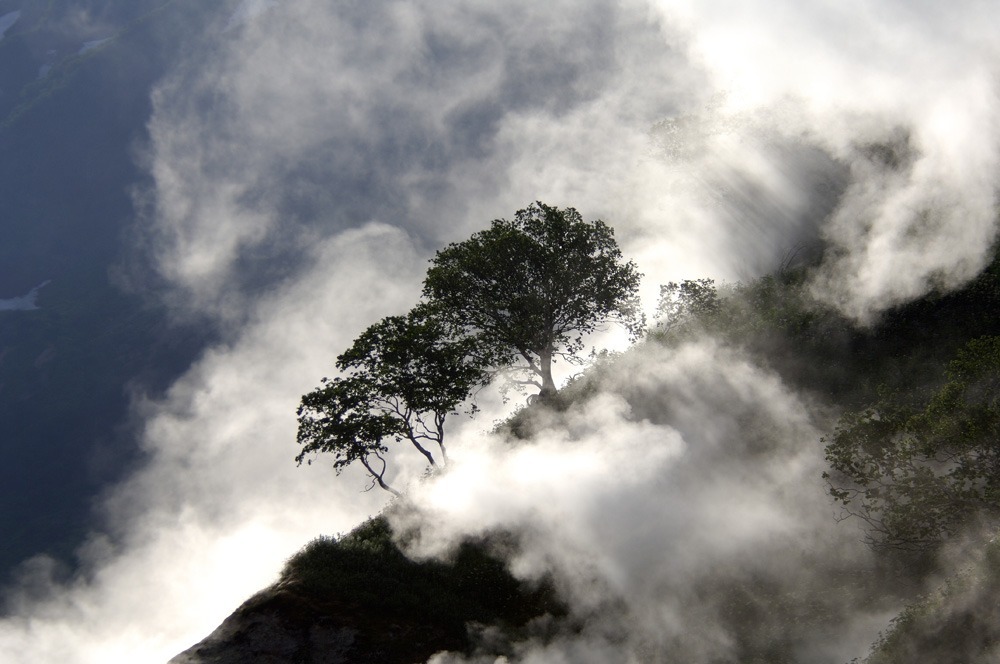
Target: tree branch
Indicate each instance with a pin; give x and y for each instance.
(378, 476)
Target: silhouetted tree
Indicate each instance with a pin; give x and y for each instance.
(532, 288)
(402, 377)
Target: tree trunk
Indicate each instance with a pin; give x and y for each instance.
(545, 368)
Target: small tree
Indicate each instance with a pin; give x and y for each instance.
(344, 417)
(402, 377)
(532, 288)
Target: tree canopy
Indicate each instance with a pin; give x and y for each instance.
(401, 378)
(534, 286)
(508, 299)
(684, 302)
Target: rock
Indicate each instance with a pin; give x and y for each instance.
(282, 625)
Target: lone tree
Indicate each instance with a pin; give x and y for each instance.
(402, 377)
(532, 288)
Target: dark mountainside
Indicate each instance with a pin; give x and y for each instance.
(359, 599)
(74, 103)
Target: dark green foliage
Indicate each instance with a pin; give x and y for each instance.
(767, 617)
(526, 290)
(402, 377)
(342, 417)
(421, 358)
(367, 569)
(918, 475)
(535, 286)
(957, 624)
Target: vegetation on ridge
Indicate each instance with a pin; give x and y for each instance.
(913, 453)
(367, 571)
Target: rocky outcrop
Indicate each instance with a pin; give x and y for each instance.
(285, 625)
(359, 599)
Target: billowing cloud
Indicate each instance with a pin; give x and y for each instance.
(220, 503)
(312, 119)
(309, 156)
(905, 95)
(693, 477)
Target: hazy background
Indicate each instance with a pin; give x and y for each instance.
(224, 195)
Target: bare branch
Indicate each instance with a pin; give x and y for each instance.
(378, 476)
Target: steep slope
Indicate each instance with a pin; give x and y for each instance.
(359, 599)
(763, 615)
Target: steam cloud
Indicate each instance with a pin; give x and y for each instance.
(905, 96)
(652, 505)
(311, 155)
